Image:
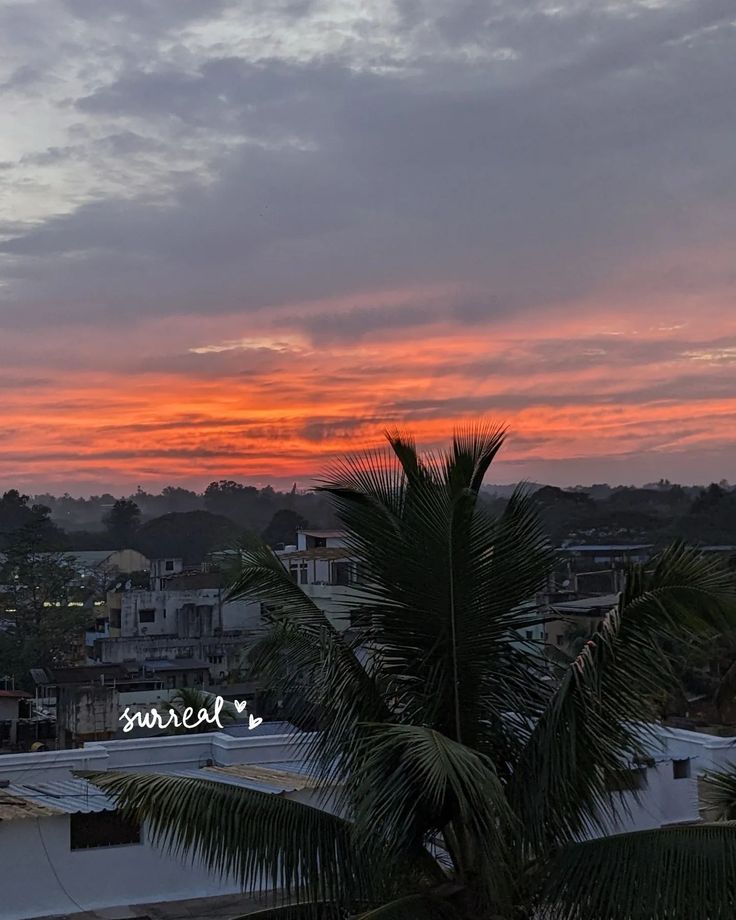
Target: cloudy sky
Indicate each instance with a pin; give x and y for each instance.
(236, 238)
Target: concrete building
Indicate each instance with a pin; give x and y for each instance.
(65, 849)
(326, 570)
(123, 561)
(182, 617)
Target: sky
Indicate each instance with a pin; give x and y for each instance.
(237, 239)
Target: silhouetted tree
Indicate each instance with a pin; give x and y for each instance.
(283, 527)
(122, 521)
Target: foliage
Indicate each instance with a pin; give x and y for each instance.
(122, 521)
(39, 627)
(283, 527)
(470, 769)
(190, 535)
(197, 700)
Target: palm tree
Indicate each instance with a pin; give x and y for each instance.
(462, 775)
(196, 700)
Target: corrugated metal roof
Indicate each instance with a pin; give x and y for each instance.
(52, 797)
(258, 777)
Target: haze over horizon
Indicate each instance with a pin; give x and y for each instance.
(236, 242)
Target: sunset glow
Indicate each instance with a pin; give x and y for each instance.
(256, 238)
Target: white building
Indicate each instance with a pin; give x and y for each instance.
(64, 847)
(326, 570)
(64, 850)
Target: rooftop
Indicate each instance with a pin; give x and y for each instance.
(36, 799)
(600, 603)
(606, 547)
(174, 664)
(335, 534)
(319, 552)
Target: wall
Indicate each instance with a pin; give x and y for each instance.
(114, 876)
(40, 874)
(86, 712)
(8, 708)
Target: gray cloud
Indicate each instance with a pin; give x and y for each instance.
(538, 184)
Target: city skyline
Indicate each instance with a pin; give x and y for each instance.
(237, 242)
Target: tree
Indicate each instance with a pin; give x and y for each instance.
(466, 772)
(196, 700)
(19, 520)
(122, 521)
(283, 527)
(40, 628)
(191, 535)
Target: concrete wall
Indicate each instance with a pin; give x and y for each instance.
(110, 876)
(185, 613)
(86, 713)
(133, 874)
(40, 874)
(8, 708)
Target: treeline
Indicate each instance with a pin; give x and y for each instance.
(174, 523)
(245, 505)
(705, 516)
(185, 523)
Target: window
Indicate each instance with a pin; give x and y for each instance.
(681, 768)
(303, 576)
(146, 616)
(560, 638)
(626, 780)
(169, 565)
(114, 618)
(102, 829)
(529, 633)
(341, 573)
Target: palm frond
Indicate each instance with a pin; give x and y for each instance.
(718, 795)
(673, 873)
(586, 733)
(411, 784)
(267, 842)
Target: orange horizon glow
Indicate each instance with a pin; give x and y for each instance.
(275, 407)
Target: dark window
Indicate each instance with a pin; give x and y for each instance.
(341, 573)
(102, 829)
(530, 633)
(681, 768)
(560, 639)
(114, 618)
(169, 565)
(626, 780)
(146, 616)
(320, 541)
(303, 575)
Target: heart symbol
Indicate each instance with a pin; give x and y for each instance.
(253, 722)
(240, 706)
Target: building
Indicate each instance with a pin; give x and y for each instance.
(183, 618)
(14, 707)
(327, 571)
(578, 619)
(608, 554)
(104, 561)
(65, 848)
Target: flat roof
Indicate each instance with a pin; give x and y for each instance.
(39, 799)
(606, 547)
(602, 602)
(319, 552)
(323, 533)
